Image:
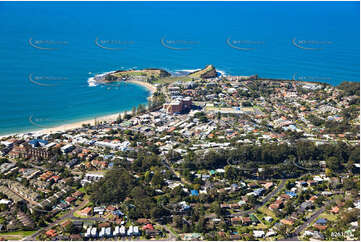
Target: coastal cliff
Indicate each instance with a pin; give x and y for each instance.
(208, 72)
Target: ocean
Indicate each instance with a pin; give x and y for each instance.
(50, 50)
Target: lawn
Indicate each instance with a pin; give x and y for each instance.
(268, 212)
(328, 216)
(76, 214)
(172, 79)
(17, 235)
(20, 233)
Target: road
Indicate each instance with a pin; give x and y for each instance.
(313, 217)
(68, 215)
(166, 164)
(172, 236)
(274, 192)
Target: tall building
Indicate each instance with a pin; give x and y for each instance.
(179, 105)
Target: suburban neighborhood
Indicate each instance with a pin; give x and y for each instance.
(210, 157)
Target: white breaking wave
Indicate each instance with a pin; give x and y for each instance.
(94, 81)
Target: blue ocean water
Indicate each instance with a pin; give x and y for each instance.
(62, 44)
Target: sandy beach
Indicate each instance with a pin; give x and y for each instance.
(107, 118)
(149, 86)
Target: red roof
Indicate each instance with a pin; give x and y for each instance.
(148, 226)
(69, 199)
(51, 233)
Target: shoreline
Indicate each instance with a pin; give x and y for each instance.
(78, 124)
(147, 85)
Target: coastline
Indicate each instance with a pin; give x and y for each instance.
(108, 118)
(147, 85)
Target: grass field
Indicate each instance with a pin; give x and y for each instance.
(171, 79)
(328, 216)
(76, 214)
(17, 235)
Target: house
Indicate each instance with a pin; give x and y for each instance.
(235, 187)
(194, 193)
(102, 232)
(285, 196)
(320, 227)
(321, 221)
(116, 231)
(305, 205)
(277, 204)
(122, 230)
(326, 193)
(77, 194)
(258, 191)
(235, 237)
(270, 233)
(108, 232)
(67, 148)
(5, 201)
(142, 221)
(258, 233)
(287, 221)
(268, 185)
(51, 233)
(99, 210)
(130, 230)
(148, 226)
(312, 199)
(69, 200)
(183, 206)
(268, 219)
(236, 220)
(246, 221)
(318, 236)
(291, 194)
(86, 211)
(111, 208)
(94, 232)
(335, 209)
(88, 232)
(274, 206)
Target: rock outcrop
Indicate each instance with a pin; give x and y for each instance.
(208, 72)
